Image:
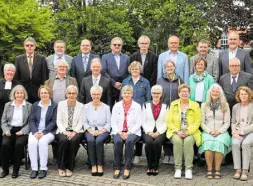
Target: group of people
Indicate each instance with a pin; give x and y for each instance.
(205, 102)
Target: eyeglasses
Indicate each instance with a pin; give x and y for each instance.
(116, 45)
(135, 69)
(234, 66)
(44, 93)
(156, 93)
(96, 94)
(31, 45)
(62, 66)
(144, 43)
(71, 93)
(85, 45)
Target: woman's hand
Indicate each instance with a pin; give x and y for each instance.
(19, 133)
(7, 133)
(38, 135)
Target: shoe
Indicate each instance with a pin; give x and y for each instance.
(178, 174)
(69, 173)
(188, 174)
(116, 176)
(61, 173)
(237, 174)
(149, 172)
(94, 173)
(136, 160)
(4, 174)
(217, 174)
(42, 174)
(33, 174)
(155, 173)
(209, 174)
(171, 161)
(125, 177)
(100, 173)
(166, 160)
(244, 176)
(14, 175)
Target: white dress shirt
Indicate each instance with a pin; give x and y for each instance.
(8, 85)
(17, 118)
(42, 124)
(96, 80)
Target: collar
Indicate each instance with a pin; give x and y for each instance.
(86, 55)
(234, 51)
(178, 103)
(143, 53)
(27, 55)
(170, 52)
(96, 77)
(237, 75)
(59, 78)
(23, 103)
(56, 56)
(40, 104)
(116, 54)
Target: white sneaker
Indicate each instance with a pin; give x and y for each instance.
(178, 174)
(136, 160)
(171, 162)
(166, 160)
(188, 174)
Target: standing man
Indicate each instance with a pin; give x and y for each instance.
(115, 66)
(147, 59)
(59, 49)
(179, 58)
(80, 66)
(95, 79)
(234, 51)
(31, 69)
(212, 61)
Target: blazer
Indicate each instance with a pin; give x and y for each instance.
(69, 81)
(220, 121)
(212, 65)
(149, 67)
(182, 65)
(235, 124)
(173, 120)
(149, 123)
(50, 123)
(8, 115)
(51, 67)
(244, 79)
(87, 83)
(62, 117)
(134, 118)
(77, 69)
(39, 74)
(240, 54)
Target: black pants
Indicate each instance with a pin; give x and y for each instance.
(67, 150)
(153, 149)
(13, 144)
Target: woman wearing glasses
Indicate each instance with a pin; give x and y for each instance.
(70, 131)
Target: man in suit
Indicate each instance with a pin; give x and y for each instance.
(147, 58)
(95, 79)
(115, 67)
(80, 66)
(212, 61)
(234, 51)
(234, 79)
(31, 69)
(180, 59)
(59, 49)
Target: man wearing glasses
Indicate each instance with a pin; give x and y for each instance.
(147, 59)
(59, 49)
(31, 69)
(80, 66)
(115, 67)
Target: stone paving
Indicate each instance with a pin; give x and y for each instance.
(138, 177)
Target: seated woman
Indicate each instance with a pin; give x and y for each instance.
(70, 131)
(183, 121)
(200, 81)
(216, 141)
(242, 132)
(43, 126)
(126, 127)
(97, 125)
(155, 128)
(15, 129)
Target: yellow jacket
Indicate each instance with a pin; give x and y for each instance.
(173, 120)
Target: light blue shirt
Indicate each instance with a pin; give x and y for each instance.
(117, 59)
(42, 124)
(56, 57)
(232, 54)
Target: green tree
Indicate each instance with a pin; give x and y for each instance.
(20, 19)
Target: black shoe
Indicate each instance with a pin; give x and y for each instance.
(100, 173)
(116, 176)
(33, 174)
(125, 177)
(42, 174)
(3, 174)
(14, 175)
(155, 173)
(94, 173)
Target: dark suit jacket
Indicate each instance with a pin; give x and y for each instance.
(240, 54)
(39, 74)
(87, 83)
(244, 79)
(77, 69)
(51, 115)
(150, 65)
(111, 71)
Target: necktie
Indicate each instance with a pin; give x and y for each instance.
(95, 81)
(30, 64)
(234, 84)
(85, 63)
(59, 57)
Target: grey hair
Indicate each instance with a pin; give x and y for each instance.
(96, 87)
(117, 38)
(31, 39)
(70, 87)
(235, 59)
(9, 65)
(223, 100)
(96, 60)
(143, 37)
(127, 88)
(61, 61)
(135, 63)
(157, 87)
(17, 88)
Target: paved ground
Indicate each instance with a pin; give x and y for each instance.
(138, 177)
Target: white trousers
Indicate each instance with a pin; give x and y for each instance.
(39, 145)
